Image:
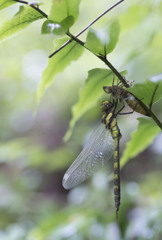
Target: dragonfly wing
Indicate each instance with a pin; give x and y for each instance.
(91, 158)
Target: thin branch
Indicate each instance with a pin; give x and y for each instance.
(115, 71)
(34, 6)
(88, 26)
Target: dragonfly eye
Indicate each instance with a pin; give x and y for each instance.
(107, 89)
(111, 90)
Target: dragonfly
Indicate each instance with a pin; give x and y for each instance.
(102, 143)
(118, 92)
(122, 94)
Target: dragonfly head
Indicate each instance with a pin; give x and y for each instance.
(114, 90)
(106, 106)
(107, 89)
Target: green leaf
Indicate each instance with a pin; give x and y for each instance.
(94, 43)
(103, 41)
(58, 63)
(114, 31)
(67, 23)
(51, 27)
(146, 90)
(22, 19)
(63, 9)
(141, 139)
(90, 94)
(6, 3)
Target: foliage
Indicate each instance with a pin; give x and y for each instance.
(32, 154)
(63, 9)
(141, 139)
(4, 3)
(90, 94)
(59, 63)
(22, 19)
(105, 40)
(146, 90)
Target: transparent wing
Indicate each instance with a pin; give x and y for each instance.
(98, 150)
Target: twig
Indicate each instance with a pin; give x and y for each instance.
(95, 20)
(34, 6)
(115, 71)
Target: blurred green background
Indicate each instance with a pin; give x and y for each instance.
(33, 156)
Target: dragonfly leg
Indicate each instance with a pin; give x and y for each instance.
(119, 112)
(126, 113)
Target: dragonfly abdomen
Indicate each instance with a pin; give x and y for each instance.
(116, 135)
(136, 106)
(116, 175)
(132, 102)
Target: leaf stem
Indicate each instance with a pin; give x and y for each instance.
(88, 26)
(33, 5)
(115, 71)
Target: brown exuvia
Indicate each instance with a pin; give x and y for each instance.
(122, 94)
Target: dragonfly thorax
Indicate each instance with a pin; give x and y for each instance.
(107, 108)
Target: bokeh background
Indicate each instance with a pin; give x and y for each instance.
(33, 155)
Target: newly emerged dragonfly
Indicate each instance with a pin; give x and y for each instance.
(103, 142)
(122, 94)
(119, 93)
